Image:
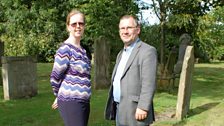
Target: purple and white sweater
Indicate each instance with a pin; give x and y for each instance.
(70, 76)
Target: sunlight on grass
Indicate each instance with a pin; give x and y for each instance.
(206, 105)
(201, 79)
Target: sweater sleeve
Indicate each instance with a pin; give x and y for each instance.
(61, 62)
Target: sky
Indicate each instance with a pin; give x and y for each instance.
(149, 15)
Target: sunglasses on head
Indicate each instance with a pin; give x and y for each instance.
(75, 24)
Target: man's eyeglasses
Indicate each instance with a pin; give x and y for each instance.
(127, 28)
(75, 24)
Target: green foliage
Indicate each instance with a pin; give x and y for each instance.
(103, 19)
(210, 33)
(187, 16)
(150, 34)
(193, 17)
(37, 27)
(104, 16)
(32, 28)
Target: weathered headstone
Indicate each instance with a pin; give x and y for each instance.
(172, 60)
(1, 52)
(185, 84)
(165, 78)
(101, 63)
(19, 77)
(185, 40)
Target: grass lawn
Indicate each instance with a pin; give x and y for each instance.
(206, 107)
(207, 100)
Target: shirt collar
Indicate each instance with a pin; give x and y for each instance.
(131, 46)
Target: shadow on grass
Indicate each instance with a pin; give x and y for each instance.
(196, 111)
(202, 108)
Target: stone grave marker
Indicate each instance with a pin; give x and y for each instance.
(19, 77)
(185, 84)
(101, 63)
(1, 52)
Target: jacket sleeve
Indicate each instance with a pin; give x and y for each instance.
(148, 77)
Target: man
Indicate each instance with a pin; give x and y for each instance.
(133, 79)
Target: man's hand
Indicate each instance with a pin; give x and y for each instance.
(140, 114)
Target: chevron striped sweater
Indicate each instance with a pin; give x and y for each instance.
(70, 76)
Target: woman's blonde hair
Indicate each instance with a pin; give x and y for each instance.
(73, 12)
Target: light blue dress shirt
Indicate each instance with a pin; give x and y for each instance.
(120, 70)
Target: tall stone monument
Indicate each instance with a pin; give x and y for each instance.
(185, 84)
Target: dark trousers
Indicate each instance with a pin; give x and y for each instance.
(74, 113)
(117, 121)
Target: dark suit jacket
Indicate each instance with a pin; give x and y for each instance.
(138, 85)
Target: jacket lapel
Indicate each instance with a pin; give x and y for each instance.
(132, 57)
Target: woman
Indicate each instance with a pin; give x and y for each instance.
(70, 77)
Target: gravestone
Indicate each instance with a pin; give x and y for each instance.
(185, 40)
(19, 77)
(172, 60)
(185, 84)
(1, 52)
(101, 63)
(166, 78)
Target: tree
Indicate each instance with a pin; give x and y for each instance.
(178, 17)
(32, 27)
(184, 18)
(102, 28)
(210, 33)
(37, 27)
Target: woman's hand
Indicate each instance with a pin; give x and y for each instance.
(55, 104)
